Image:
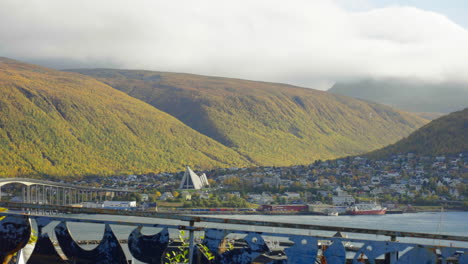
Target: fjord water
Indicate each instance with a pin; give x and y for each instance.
(449, 223)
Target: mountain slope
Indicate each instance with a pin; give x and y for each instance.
(271, 124)
(446, 135)
(409, 95)
(59, 123)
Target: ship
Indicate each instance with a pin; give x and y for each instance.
(366, 209)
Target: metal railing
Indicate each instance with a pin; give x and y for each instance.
(220, 240)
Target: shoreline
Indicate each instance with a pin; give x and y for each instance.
(417, 210)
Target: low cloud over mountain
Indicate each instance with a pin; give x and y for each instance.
(309, 43)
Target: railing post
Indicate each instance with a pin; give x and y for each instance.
(191, 241)
(391, 257)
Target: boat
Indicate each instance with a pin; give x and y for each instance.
(332, 213)
(366, 209)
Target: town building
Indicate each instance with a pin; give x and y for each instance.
(119, 205)
(342, 199)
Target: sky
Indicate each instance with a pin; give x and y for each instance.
(302, 42)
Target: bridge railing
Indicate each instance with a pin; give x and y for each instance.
(195, 239)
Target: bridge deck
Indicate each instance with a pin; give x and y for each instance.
(27, 181)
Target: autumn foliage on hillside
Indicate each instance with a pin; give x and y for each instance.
(443, 136)
(269, 123)
(66, 124)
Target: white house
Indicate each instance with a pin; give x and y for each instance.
(375, 180)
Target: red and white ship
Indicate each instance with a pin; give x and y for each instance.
(366, 209)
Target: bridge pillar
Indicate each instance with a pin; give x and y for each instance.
(57, 195)
(51, 195)
(37, 193)
(28, 193)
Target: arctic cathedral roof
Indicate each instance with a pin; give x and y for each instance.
(192, 181)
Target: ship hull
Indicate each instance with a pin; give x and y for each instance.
(367, 212)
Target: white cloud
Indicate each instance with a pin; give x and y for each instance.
(311, 43)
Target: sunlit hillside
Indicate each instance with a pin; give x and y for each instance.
(270, 124)
(446, 135)
(66, 124)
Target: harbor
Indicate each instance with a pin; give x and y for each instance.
(258, 238)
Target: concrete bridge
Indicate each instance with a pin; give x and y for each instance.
(48, 192)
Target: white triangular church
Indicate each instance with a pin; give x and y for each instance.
(193, 181)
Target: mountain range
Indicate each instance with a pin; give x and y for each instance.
(65, 124)
(268, 123)
(443, 136)
(103, 122)
(427, 99)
